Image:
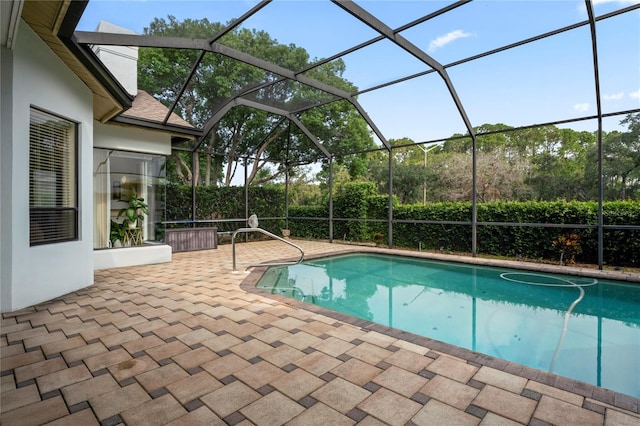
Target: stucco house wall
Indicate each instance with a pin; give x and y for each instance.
(38, 78)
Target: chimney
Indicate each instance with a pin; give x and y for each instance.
(122, 61)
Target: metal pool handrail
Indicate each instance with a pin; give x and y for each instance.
(247, 230)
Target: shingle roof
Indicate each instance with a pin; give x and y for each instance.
(146, 107)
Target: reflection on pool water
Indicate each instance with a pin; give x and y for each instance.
(578, 327)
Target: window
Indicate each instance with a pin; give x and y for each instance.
(117, 175)
(53, 205)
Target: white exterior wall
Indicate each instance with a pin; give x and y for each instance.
(123, 138)
(34, 274)
(6, 149)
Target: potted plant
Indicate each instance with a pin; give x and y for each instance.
(135, 212)
(117, 234)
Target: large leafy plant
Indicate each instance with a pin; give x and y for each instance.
(135, 212)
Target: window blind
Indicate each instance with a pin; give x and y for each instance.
(53, 212)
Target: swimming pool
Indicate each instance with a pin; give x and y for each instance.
(583, 328)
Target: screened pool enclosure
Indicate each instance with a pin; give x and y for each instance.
(470, 90)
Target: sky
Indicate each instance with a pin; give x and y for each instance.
(544, 81)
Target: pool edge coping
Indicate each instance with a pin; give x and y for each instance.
(604, 395)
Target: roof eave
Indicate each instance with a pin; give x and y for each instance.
(190, 133)
(55, 26)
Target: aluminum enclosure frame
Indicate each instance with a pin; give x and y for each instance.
(83, 41)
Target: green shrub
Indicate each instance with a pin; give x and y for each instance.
(359, 200)
(309, 228)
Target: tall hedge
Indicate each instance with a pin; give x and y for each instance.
(311, 228)
(621, 247)
(433, 236)
(352, 201)
(227, 203)
(360, 200)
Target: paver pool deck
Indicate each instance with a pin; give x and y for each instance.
(188, 342)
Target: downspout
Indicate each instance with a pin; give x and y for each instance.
(14, 22)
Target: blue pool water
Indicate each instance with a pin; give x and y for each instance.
(582, 328)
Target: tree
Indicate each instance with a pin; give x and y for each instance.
(484, 143)
(622, 157)
(410, 173)
(302, 191)
(497, 178)
(559, 164)
(548, 162)
(620, 162)
(247, 132)
(340, 177)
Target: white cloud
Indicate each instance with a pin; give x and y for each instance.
(583, 107)
(613, 97)
(446, 39)
(635, 95)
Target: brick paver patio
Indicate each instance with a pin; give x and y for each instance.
(188, 343)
